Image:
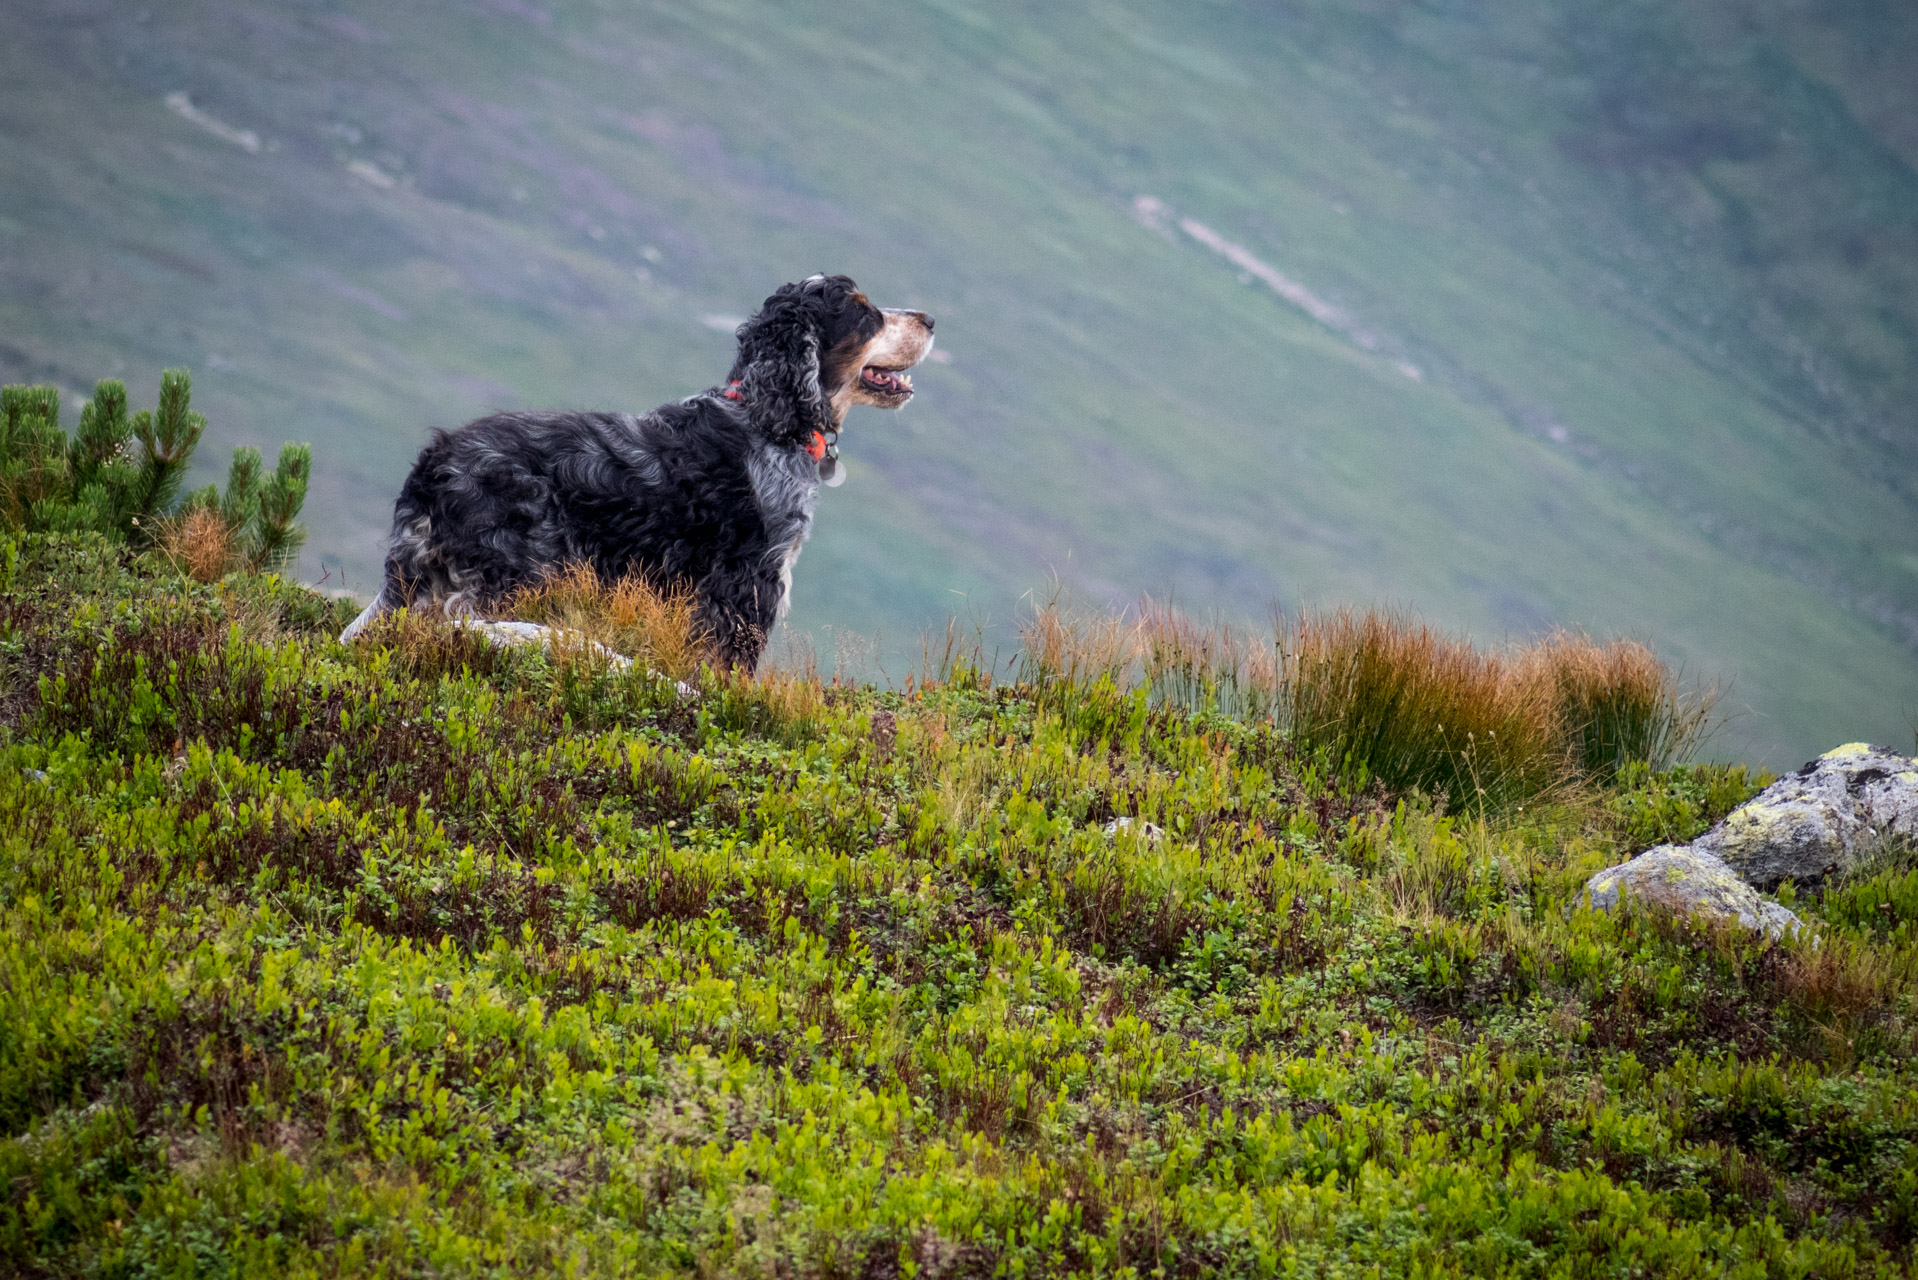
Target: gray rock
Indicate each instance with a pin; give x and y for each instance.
(1821, 818)
(510, 633)
(517, 633)
(1689, 880)
(1150, 830)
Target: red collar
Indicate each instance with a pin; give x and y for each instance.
(815, 448)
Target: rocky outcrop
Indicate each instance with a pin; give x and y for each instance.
(1690, 881)
(1819, 820)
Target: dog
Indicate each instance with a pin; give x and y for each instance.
(714, 493)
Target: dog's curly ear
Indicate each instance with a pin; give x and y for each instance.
(778, 364)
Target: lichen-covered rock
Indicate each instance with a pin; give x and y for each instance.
(1687, 880)
(1819, 819)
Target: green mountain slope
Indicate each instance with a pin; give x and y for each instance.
(1653, 266)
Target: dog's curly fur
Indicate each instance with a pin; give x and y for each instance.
(714, 492)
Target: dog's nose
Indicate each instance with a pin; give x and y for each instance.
(925, 320)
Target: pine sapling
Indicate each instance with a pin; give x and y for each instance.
(33, 453)
(103, 435)
(97, 481)
(242, 501)
(168, 437)
(102, 472)
(277, 536)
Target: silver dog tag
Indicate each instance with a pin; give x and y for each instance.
(832, 472)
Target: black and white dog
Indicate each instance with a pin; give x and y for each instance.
(714, 493)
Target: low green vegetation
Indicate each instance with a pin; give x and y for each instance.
(422, 957)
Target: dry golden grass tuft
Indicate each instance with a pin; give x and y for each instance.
(1193, 665)
(1077, 648)
(200, 544)
(786, 700)
(660, 630)
(1416, 707)
(1384, 695)
(1618, 703)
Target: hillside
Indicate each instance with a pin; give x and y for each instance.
(428, 958)
(1653, 266)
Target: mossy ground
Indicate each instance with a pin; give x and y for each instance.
(424, 958)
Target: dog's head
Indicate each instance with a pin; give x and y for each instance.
(819, 347)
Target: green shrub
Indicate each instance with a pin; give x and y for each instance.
(98, 481)
(1677, 806)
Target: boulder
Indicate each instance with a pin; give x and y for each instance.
(1690, 881)
(1820, 819)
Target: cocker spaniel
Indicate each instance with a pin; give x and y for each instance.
(714, 493)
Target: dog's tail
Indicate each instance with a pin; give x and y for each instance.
(367, 615)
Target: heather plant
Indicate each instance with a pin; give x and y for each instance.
(424, 956)
(1676, 806)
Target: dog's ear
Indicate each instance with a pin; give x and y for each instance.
(778, 364)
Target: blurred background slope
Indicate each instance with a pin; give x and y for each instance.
(1520, 314)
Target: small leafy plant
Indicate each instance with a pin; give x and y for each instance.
(1678, 805)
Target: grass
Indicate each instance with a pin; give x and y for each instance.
(426, 957)
(628, 616)
(200, 544)
(1381, 695)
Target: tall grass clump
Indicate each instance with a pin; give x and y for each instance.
(1064, 649)
(658, 629)
(1619, 705)
(1388, 696)
(1383, 695)
(1197, 667)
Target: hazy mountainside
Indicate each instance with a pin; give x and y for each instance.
(1617, 307)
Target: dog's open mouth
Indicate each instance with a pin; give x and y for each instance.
(886, 382)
